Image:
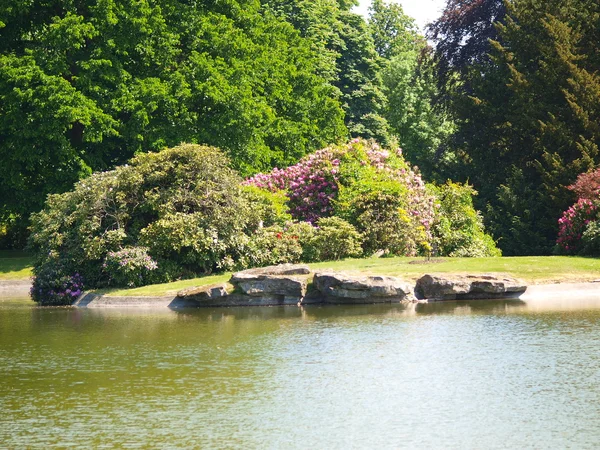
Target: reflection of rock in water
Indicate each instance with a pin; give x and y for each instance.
(468, 306)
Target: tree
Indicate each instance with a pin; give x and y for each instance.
(462, 38)
(359, 81)
(527, 117)
(344, 44)
(84, 86)
(409, 84)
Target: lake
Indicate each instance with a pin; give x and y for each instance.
(480, 374)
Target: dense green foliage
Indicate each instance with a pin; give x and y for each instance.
(376, 191)
(508, 101)
(458, 228)
(85, 86)
(411, 89)
(183, 211)
(349, 59)
(373, 189)
(529, 122)
(164, 215)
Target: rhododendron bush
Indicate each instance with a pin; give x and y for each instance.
(183, 212)
(577, 227)
(373, 189)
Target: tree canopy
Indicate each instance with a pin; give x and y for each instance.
(84, 86)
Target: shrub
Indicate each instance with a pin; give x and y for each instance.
(273, 245)
(334, 239)
(591, 239)
(304, 234)
(458, 228)
(53, 287)
(310, 185)
(573, 223)
(372, 189)
(185, 205)
(587, 185)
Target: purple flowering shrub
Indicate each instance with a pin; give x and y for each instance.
(131, 267)
(310, 185)
(573, 223)
(54, 288)
(373, 189)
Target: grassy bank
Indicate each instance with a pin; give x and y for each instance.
(15, 265)
(532, 269)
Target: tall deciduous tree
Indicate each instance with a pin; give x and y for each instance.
(85, 85)
(409, 84)
(344, 44)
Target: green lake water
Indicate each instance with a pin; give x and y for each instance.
(461, 375)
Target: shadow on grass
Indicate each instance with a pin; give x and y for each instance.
(15, 262)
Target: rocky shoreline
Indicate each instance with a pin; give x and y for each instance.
(289, 284)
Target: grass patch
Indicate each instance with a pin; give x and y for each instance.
(15, 265)
(532, 269)
(164, 289)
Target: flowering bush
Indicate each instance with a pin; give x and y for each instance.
(373, 189)
(131, 267)
(272, 245)
(573, 224)
(587, 185)
(310, 185)
(52, 287)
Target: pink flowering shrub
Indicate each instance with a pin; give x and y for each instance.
(573, 223)
(56, 288)
(373, 189)
(310, 185)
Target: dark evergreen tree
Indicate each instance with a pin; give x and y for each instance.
(527, 118)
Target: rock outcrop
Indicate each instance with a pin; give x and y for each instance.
(464, 287)
(285, 284)
(207, 294)
(289, 284)
(343, 288)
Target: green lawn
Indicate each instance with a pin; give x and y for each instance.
(15, 265)
(532, 269)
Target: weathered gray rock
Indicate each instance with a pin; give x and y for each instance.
(344, 288)
(286, 283)
(205, 293)
(451, 287)
(271, 285)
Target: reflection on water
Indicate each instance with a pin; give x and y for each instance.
(480, 374)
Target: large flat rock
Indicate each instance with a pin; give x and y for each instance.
(287, 282)
(482, 286)
(208, 293)
(343, 288)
